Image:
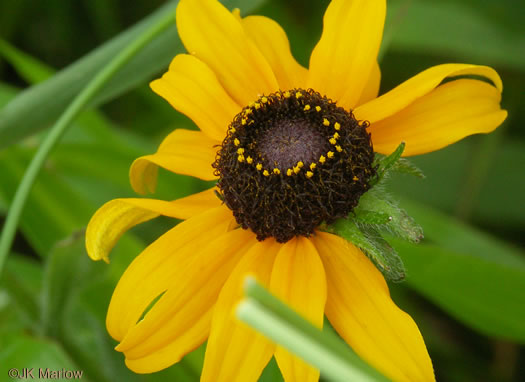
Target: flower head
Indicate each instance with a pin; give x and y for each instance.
(290, 148)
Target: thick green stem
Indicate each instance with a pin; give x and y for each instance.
(61, 126)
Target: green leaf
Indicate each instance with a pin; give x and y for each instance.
(484, 32)
(399, 222)
(452, 234)
(23, 351)
(404, 166)
(274, 319)
(384, 163)
(22, 282)
(370, 241)
(485, 294)
(53, 210)
(27, 67)
(39, 105)
(500, 199)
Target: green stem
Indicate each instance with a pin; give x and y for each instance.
(22, 193)
(323, 349)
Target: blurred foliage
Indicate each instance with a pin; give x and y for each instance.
(464, 283)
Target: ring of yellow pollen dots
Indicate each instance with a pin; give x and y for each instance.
(292, 160)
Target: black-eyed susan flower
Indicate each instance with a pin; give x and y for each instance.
(290, 148)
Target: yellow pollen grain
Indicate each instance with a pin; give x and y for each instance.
(296, 169)
(287, 94)
(248, 111)
(337, 126)
(258, 167)
(243, 121)
(236, 142)
(276, 171)
(312, 166)
(338, 148)
(240, 150)
(307, 107)
(249, 160)
(318, 108)
(330, 154)
(355, 178)
(300, 164)
(240, 158)
(322, 159)
(309, 174)
(289, 172)
(266, 173)
(336, 135)
(264, 99)
(298, 95)
(232, 130)
(251, 104)
(257, 105)
(332, 141)
(326, 122)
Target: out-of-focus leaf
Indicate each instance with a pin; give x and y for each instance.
(75, 295)
(39, 105)
(271, 373)
(25, 352)
(27, 67)
(452, 234)
(53, 209)
(500, 198)
(456, 29)
(485, 294)
(22, 282)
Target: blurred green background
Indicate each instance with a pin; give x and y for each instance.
(466, 282)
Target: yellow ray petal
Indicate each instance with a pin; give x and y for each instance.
(117, 216)
(184, 152)
(444, 116)
(371, 89)
(417, 86)
(361, 310)
(150, 274)
(211, 33)
(342, 61)
(298, 279)
(195, 204)
(273, 43)
(180, 321)
(236, 352)
(192, 88)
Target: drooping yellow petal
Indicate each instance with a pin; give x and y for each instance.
(359, 307)
(273, 43)
(150, 274)
(192, 88)
(417, 86)
(298, 279)
(184, 152)
(180, 321)
(371, 89)
(236, 352)
(119, 215)
(444, 116)
(211, 33)
(344, 58)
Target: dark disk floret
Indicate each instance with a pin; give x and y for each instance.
(291, 161)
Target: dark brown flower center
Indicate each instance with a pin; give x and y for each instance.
(291, 161)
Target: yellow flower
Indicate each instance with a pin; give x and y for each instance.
(239, 64)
